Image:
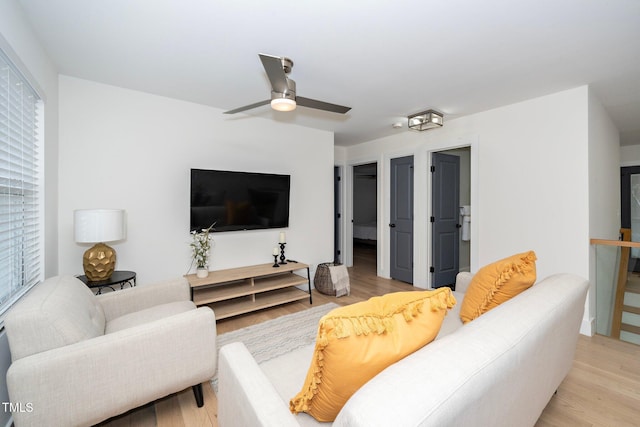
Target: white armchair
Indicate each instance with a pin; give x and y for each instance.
(78, 359)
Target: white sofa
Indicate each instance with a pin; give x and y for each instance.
(501, 369)
(78, 359)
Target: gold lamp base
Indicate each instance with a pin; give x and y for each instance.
(99, 262)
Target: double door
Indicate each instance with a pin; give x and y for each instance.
(445, 219)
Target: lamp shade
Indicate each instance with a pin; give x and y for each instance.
(283, 104)
(99, 225)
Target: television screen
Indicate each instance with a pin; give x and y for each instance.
(238, 200)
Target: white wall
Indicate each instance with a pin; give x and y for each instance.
(604, 195)
(630, 155)
(529, 182)
(340, 154)
(126, 149)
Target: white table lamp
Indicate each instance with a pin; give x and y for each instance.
(99, 226)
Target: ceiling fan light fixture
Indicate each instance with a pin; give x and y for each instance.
(283, 89)
(283, 104)
(425, 120)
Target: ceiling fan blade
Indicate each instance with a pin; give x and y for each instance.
(273, 66)
(320, 105)
(248, 107)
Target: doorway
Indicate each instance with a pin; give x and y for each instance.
(630, 209)
(450, 215)
(365, 215)
(337, 215)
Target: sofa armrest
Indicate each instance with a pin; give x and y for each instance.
(462, 281)
(501, 369)
(116, 304)
(92, 380)
(246, 397)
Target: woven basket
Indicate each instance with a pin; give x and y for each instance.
(322, 279)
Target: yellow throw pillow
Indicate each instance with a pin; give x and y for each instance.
(498, 282)
(356, 342)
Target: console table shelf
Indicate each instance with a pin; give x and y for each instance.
(242, 290)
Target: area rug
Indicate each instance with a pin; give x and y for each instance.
(275, 337)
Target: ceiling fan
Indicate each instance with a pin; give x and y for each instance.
(283, 89)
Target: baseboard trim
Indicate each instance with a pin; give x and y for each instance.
(587, 326)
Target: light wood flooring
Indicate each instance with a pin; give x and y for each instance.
(602, 388)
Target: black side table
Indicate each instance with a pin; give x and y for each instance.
(121, 278)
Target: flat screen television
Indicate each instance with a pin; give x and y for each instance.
(238, 200)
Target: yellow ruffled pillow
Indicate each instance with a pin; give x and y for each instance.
(356, 342)
(498, 282)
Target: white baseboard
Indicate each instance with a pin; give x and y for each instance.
(587, 327)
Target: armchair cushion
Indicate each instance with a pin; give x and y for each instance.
(59, 311)
(116, 304)
(148, 315)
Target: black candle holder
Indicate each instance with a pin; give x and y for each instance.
(282, 257)
(275, 261)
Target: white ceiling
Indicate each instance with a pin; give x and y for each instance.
(384, 59)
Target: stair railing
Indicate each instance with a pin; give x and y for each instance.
(625, 244)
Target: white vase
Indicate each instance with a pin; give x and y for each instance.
(202, 272)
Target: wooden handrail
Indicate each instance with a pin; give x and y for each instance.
(622, 243)
(616, 321)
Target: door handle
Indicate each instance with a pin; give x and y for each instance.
(392, 225)
(458, 226)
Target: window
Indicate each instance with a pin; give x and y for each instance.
(20, 212)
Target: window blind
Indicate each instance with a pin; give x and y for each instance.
(20, 222)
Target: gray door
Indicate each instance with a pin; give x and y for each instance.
(445, 219)
(401, 219)
(336, 215)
